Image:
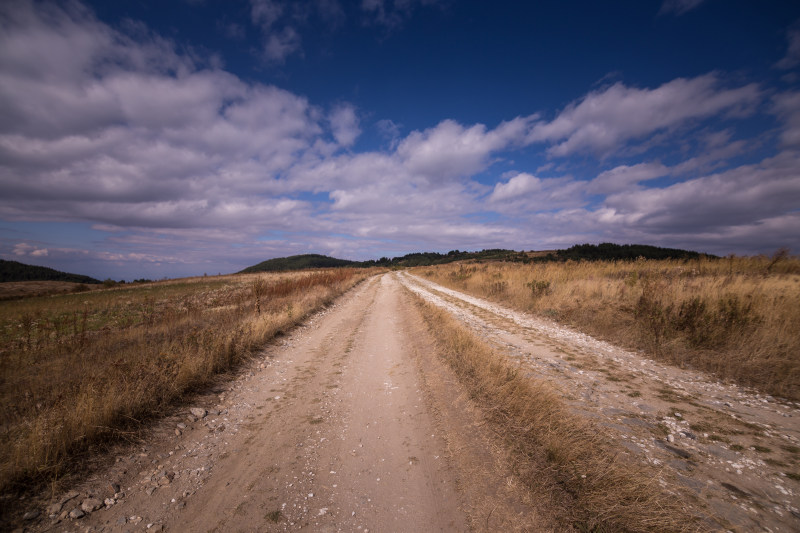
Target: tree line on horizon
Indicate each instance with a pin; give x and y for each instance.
(579, 252)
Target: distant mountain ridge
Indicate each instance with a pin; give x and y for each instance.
(15, 271)
(580, 252)
(298, 262)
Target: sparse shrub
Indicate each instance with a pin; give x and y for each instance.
(538, 287)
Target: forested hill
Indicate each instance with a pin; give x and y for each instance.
(298, 262)
(14, 271)
(626, 252)
(579, 252)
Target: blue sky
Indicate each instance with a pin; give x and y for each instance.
(172, 138)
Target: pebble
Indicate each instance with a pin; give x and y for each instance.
(54, 508)
(30, 515)
(77, 513)
(68, 496)
(198, 412)
(90, 505)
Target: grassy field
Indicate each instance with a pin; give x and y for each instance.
(15, 290)
(558, 455)
(77, 370)
(735, 317)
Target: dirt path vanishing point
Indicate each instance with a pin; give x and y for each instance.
(348, 424)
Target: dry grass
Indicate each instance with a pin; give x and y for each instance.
(736, 317)
(14, 290)
(556, 452)
(76, 370)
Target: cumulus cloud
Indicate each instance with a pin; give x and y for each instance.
(451, 150)
(604, 120)
(24, 249)
(172, 159)
(344, 123)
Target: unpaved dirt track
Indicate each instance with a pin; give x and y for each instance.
(333, 434)
(350, 424)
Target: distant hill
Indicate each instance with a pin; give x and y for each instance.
(14, 271)
(580, 252)
(298, 262)
(620, 252)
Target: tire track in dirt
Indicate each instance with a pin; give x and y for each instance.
(728, 446)
(329, 430)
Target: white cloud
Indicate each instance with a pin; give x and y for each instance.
(392, 13)
(792, 57)
(786, 107)
(451, 150)
(266, 13)
(604, 120)
(679, 7)
(741, 196)
(344, 123)
(174, 160)
(282, 44)
(625, 177)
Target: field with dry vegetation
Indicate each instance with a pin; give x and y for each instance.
(77, 370)
(557, 454)
(735, 317)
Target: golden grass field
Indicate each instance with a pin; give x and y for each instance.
(735, 317)
(79, 369)
(558, 455)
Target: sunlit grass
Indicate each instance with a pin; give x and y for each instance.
(77, 369)
(735, 317)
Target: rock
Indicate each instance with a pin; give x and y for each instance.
(150, 490)
(54, 508)
(77, 513)
(119, 495)
(178, 433)
(68, 496)
(89, 505)
(165, 480)
(181, 425)
(122, 520)
(114, 487)
(135, 519)
(30, 515)
(198, 412)
(109, 502)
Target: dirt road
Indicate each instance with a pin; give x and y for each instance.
(329, 432)
(348, 424)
